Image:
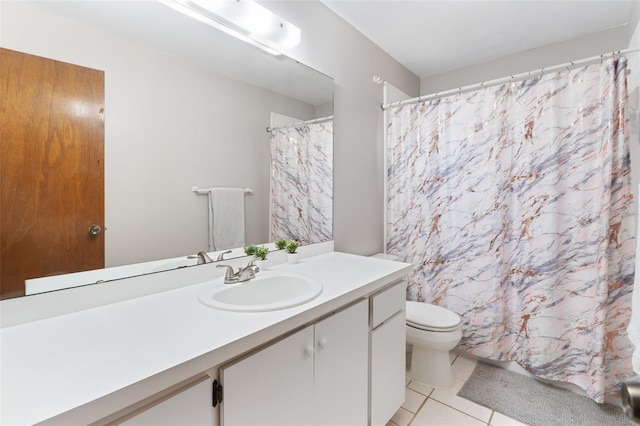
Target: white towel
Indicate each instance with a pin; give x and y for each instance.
(226, 218)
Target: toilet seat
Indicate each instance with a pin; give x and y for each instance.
(428, 317)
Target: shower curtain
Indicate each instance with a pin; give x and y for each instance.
(302, 182)
(514, 204)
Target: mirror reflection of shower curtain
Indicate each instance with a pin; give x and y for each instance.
(302, 182)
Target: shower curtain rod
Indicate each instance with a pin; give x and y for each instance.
(509, 79)
(315, 120)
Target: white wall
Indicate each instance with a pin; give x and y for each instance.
(143, 84)
(169, 125)
(529, 60)
(333, 47)
(336, 49)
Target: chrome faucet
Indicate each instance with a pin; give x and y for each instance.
(203, 257)
(250, 270)
(244, 274)
(221, 255)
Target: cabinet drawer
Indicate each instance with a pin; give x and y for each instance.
(387, 303)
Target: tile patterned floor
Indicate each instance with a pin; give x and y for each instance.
(427, 406)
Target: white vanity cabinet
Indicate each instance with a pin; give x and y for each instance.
(339, 359)
(316, 376)
(188, 406)
(387, 353)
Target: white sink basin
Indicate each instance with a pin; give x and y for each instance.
(266, 292)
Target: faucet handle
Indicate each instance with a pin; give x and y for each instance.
(253, 266)
(230, 276)
(221, 255)
(202, 257)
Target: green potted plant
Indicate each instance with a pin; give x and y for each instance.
(250, 250)
(261, 252)
(291, 248)
(280, 243)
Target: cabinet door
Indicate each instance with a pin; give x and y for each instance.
(388, 345)
(341, 367)
(271, 387)
(190, 407)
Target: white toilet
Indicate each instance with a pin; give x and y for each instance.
(432, 331)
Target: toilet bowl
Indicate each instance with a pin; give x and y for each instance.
(432, 331)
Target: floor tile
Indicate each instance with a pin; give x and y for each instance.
(499, 419)
(463, 367)
(402, 417)
(412, 400)
(434, 413)
(449, 397)
(420, 388)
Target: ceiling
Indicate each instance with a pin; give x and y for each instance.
(434, 36)
(426, 36)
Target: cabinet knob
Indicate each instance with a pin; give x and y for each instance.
(322, 344)
(309, 351)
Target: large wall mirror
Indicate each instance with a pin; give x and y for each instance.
(185, 106)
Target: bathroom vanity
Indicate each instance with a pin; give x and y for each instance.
(167, 358)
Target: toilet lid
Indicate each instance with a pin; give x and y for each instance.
(431, 317)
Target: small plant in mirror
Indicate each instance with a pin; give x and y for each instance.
(292, 246)
(280, 243)
(261, 252)
(250, 250)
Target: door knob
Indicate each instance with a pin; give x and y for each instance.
(309, 351)
(322, 344)
(94, 230)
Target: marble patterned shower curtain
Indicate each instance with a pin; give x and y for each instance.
(302, 182)
(514, 204)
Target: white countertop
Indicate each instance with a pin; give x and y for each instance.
(85, 365)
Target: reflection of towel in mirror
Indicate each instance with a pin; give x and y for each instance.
(226, 218)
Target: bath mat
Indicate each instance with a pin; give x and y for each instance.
(535, 403)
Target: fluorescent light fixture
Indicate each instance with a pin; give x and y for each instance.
(243, 19)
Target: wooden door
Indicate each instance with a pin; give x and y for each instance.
(51, 169)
